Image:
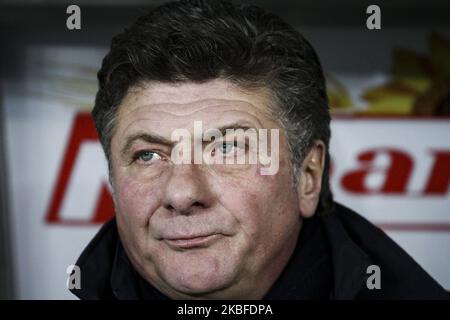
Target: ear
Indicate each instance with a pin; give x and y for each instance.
(310, 179)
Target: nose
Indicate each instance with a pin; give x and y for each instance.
(186, 190)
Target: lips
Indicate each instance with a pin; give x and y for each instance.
(191, 242)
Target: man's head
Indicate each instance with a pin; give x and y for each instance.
(212, 230)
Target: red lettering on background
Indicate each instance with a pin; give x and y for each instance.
(439, 180)
(83, 130)
(396, 174)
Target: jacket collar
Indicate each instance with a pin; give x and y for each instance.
(349, 260)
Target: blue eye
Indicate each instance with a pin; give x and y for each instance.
(147, 156)
(227, 147)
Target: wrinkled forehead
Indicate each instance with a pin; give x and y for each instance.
(169, 106)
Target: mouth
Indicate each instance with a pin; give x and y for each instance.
(192, 242)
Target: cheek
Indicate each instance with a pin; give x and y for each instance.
(135, 200)
(264, 205)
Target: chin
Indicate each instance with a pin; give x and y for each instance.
(199, 276)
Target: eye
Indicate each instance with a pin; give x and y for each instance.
(147, 156)
(227, 147)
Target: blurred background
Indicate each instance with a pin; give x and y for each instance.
(389, 90)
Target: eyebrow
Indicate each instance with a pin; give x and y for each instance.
(144, 136)
(235, 126)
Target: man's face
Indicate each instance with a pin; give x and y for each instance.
(200, 230)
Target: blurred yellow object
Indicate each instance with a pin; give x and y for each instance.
(420, 84)
(338, 97)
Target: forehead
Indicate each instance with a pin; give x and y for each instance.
(172, 104)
